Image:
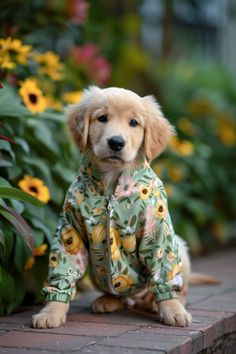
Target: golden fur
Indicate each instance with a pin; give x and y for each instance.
(101, 115)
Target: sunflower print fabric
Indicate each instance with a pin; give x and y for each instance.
(127, 238)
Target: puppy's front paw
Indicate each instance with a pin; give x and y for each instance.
(173, 313)
(51, 316)
(107, 303)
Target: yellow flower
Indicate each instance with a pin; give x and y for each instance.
(115, 244)
(99, 233)
(160, 210)
(71, 240)
(182, 147)
(32, 96)
(97, 211)
(160, 253)
(40, 250)
(144, 192)
(227, 136)
(35, 187)
(186, 126)
(122, 282)
(175, 174)
(176, 268)
(200, 107)
(129, 243)
(226, 130)
(169, 189)
(72, 97)
(12, 50)
(53, 260)
(50, 65)
(171, 256)
(29, 263)
(5, 62)
(79, 197)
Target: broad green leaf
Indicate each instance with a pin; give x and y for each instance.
(7, 286)
(10, 104)
(4, 182)
(19, 223)
(2, 239)
(44, 135)
(14, 193)
(57, 117)
(5, 145)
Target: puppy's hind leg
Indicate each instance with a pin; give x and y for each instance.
(186, 269)
(108, 303)
(52, 315)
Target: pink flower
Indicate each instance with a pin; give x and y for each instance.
(88, 52)
(125, 187)
(96, 67)
(78, 11)
(80, 260)
(150, 221)
(102, 70)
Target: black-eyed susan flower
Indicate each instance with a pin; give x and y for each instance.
(32, 96)
(50, 65)
(35, 187)
(38, 252)
(144, 192)
(13, 51)
(29, 263)
(71, 240)
(161, 210)
(181, 147)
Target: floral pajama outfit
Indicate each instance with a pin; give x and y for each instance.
(127, 238)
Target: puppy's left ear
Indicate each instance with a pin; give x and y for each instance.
(158, 130)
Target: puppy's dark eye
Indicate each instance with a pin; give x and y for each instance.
(133, 123)
(103, 118)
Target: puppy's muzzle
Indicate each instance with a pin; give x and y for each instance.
(116, 143)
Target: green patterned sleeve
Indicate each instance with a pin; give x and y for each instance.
(158, 249)
(68, 259)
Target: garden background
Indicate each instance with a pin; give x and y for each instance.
(49, 52)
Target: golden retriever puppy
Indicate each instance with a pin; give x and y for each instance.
(115, 215)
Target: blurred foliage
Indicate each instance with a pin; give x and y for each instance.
(49, 52)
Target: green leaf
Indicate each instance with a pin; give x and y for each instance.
(19, 223)
(14, 193)
(2, 240)
(10, 104)
(6, 146)
(4, 182)
(44, 135)
(133, 220)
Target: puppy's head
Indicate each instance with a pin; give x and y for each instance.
(116, 125)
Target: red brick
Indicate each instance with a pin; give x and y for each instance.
(121, 317)
(169, 343)
(87, 329)
(99, 349)
(44, 341)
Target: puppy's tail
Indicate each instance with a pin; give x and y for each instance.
(204, 279)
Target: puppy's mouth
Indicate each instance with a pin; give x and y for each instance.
(113, 159)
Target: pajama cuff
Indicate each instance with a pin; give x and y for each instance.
(166, 296)
(58, 297)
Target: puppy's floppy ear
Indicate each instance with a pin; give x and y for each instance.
(158, 130)
(78, 118)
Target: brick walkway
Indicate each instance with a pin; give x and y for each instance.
(131, 332)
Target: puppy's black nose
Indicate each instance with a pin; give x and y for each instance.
(116, 143)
